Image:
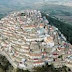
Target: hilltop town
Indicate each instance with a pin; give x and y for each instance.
(27, 40)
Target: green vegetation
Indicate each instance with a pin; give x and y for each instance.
(5, 66)
(23, 14)
(46, 68)
(21, 70)
(61, 57)
(66, 29)
(51, 68)
(1, 16)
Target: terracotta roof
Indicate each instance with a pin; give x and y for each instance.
(55, 53)
(32, 26)
(35, 54)
(44, 53)
(38, 62)
(49, 39)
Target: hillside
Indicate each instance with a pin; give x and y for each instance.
(65, 28)
(61, 12)
(5, 66)
(15, 51)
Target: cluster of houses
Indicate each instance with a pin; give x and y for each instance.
(28, 40)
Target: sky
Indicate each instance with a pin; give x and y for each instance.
(27, 1)
(16, 4)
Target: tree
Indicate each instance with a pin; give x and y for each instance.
(21, 70)
(61, 56)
